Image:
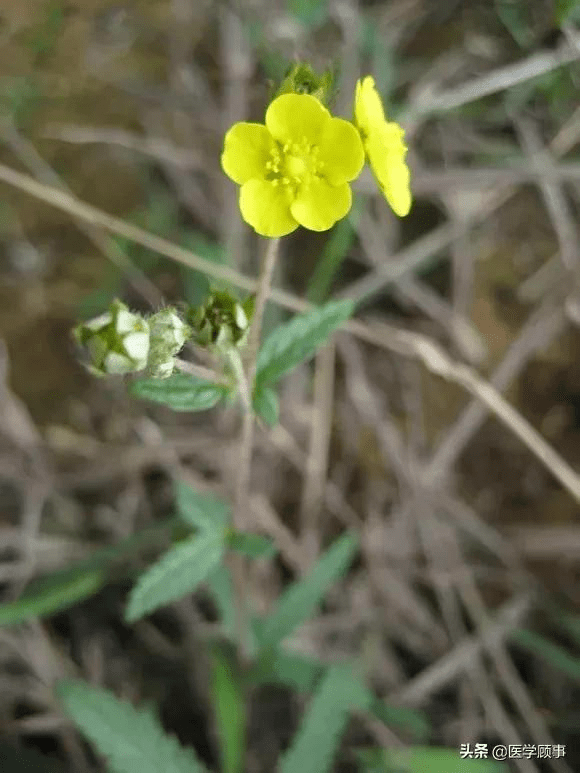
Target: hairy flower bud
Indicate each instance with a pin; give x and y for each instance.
(222, 322)
(301, 79)
(168, 333)
(117, 342)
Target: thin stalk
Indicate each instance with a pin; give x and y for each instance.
(242, 490)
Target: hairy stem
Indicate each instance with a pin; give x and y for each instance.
(242, 490)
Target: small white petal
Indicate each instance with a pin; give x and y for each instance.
(117, 364)
(136, 346)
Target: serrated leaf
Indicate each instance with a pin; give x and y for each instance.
(266, 405)
(297, 340)
(229, 706)
(131, 739)
(176, 574)
(180, 392)
(317, 740)
(299, 602)
(417, 759)
(201, 511)
(251, 545)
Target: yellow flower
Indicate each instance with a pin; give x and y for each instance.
(294, 170)
(384, 146)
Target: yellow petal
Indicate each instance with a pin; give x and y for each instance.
(393, 177)
(266, 207)
(293, 117)
(247, 148)
(319, 205)
(368, 107)
(341, 151)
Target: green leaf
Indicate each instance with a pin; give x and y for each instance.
(333, 254)
(179, 392)
(418, 759)
(266, 405)
(297, 340)
(401, 718)
(299, 602)
(551, 653)
(251, 545)
(201, 511)
(311, 13)
(196, 285)
(516, 16)
(280, 667)
(230, 711)
(176, 574)
(567, 11)
(316, 743)
(61, 589)
(71, 588)
(131, 739)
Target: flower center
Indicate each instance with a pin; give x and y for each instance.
(294, 164)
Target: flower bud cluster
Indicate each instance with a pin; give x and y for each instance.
(120, 341)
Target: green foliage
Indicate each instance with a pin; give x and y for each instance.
(42, 38)
(310, 13)
(131, 739)
(180, 392)
(176, 574)
(409, 721)
(516, 16)
(251, 545)
(331, 258)
(316, 743)
(229, 707)
(551, 653)
(418, 759)
(280, 667)
(296, 341)
(301, 599)
(567, 11)
(266, 405)
(65, 587)
(22, 99)
(201, 511)
(196, 286)
(59, 591)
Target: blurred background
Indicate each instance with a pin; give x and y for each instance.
(464, 527)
